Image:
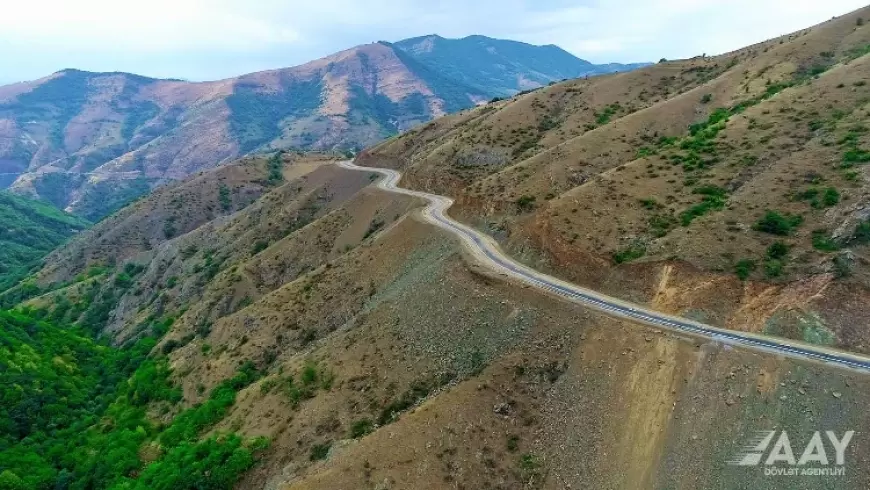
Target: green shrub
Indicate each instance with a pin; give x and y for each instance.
(275, 166)
(744, 268)
(819, 199)
(416, 392)
(224, 197)
(650, 204)
(775, 223)
(714, 199)
(660, 224)
(842, 267)
(831, 197)
(862, 233)
(778, 250)
(361, 428)
(823, 242)
(854, 156)
(259, 246)
(217, 462)
(630, 253)
(319, 452)
(525, 203)
(773, 268)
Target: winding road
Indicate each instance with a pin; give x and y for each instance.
(489, 254)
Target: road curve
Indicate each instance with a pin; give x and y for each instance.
(489, 254)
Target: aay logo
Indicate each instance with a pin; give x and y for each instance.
(817, 451)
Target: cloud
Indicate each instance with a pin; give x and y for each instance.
(207, 39)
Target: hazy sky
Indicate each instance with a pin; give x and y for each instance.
(211, 39)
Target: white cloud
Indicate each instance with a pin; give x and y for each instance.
(202, 39)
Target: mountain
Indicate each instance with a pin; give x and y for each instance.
(500, 67)
(91, 142)
(280, 322)
(29, 231)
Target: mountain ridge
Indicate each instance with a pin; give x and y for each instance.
(88, 142)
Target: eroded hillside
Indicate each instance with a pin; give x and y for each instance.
(369, 352)
(731, 189)
(92, 142)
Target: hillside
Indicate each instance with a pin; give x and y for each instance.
(305, 322)
(91, 142)
(731, 189)
(29, 231)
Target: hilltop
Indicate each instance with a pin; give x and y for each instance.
(91, 142)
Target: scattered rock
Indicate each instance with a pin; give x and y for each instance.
(837, 394)
(502, 408)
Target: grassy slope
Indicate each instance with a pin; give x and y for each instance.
(30, 230)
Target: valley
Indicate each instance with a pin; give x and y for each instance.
(531, 274)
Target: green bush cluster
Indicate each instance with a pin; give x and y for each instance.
(823, 242)
(416, 392)
(189, 424)
(775, 223)
(310, 379)
(744, 268)
(632, 252)
(275, 166)
(525, 203)
(819, 199)
(713, 199)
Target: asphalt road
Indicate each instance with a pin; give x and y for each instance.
(489, 254)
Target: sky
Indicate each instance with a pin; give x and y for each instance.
(213, 39)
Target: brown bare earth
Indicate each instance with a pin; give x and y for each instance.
(650, 185)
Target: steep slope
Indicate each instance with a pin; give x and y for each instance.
(366, 350)
(502, 67)
(730, 189)
(91, 142)
(29, 231)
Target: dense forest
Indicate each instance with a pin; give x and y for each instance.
(30, 229)
(78, 413)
